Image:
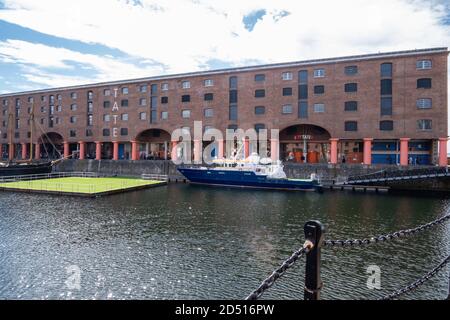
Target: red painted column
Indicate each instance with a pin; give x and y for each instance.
(246, 148)
(197, 151)
(116, 150)
(66, 149)
(11, 151)
(334, 151)
(98, 150)
(134, 151)
(37, 151)
(404, 151)
(368, 151)
(275, 149)
(82, 150)
(24, 151)
(174, 152)
(221, 149)
(443, 152)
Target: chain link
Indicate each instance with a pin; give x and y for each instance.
(413, 286)
(278, 273)
(386, 237)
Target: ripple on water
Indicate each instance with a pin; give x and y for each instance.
(186, 242)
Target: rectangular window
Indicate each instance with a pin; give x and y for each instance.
(424, 83)
(154, 89)
(260, 77)
(351, 70)
(142, 116)
(233, 96)
(164, 86)
(386, 106)
(233, 82)
(153, 102)
(286, 109)
(424, 103)
(59, 97)
(123, 131)
(286, 76)
(90, 108)
(124, 103)
(164, 100)
(30, 99)
(106, 92)
(233, 112)
(106, 104)
(260, 93)
(208, 113)
(89, 133)
(90, 120)
(303, 110)
(43, 110)
(124, 117)
(58, 108)
(73, 119)
(386, 125)
(106, 132)
(287, 92)
(303, 76)
(319, 108)
(386, 87)
(73, 95)
(5, 102)
(208, 83)
(423, 64)
(73, 107)
(208, 97)
(259, 126)
(186, 114)
(90, 95)
(319, 89)
(124, 90)
(106, 118)
(142, 102)
(185, 84)
(185, 98)
(43, 98)
(303, 92)
(351, 106)
(52, 100)
(143, 88)
(73, 133)
(386, 70)
(351, 126)
(424, 124)
(260, 110)
(319, 73)
(164, 115)
(351, 87)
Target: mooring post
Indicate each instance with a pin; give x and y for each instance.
(314, 232)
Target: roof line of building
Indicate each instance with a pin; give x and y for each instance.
(241, 69)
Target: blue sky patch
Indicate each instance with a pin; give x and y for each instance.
(252, 18)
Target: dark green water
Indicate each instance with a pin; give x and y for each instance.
(189, 242)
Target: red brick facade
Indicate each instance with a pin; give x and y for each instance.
(405, 113)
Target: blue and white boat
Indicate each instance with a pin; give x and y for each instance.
(252, 172)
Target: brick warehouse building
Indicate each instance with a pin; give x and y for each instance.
(384, 108)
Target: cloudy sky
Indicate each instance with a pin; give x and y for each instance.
(52, 43)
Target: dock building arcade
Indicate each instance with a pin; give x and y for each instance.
(383, 108)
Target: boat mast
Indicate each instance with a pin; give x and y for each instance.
(31, 130)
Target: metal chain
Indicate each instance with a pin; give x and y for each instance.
(278, 273)
(386, 237)
(417, 283)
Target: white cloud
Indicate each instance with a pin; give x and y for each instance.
(183, 35)
(39, 62)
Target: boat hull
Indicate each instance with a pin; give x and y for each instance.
(27, 169)
(247, 179)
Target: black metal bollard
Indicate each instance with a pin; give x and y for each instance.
(314, 232)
